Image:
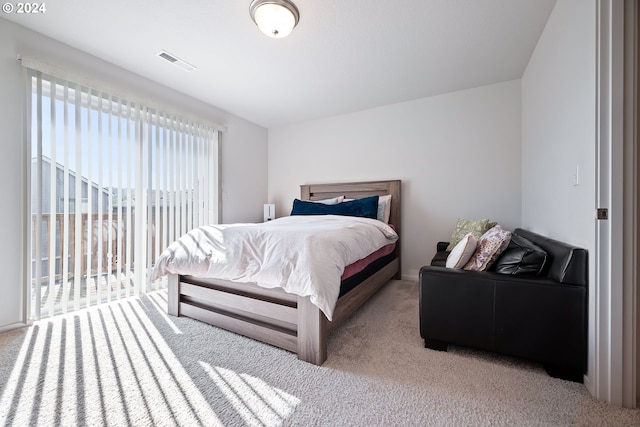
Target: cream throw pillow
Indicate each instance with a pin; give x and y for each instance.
(462, 252)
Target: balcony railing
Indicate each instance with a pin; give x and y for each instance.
(95, 254)
(111, 248)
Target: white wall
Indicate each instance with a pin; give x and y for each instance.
(12, 216)
(559, 133)
(244, 147)
(458, 155)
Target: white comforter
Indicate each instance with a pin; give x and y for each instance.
(304, 255)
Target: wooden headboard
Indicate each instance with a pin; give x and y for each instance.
(356, 190)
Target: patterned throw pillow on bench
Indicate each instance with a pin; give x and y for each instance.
(490, 246)
(464, 226)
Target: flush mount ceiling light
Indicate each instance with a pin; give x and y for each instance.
(275, 18)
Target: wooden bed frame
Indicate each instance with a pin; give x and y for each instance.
(273, 315)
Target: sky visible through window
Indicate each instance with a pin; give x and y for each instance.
(108, 140)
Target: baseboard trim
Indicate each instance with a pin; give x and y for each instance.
(587, 383)
(13, 326)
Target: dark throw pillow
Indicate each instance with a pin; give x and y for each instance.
(366, 207)
(522, 256)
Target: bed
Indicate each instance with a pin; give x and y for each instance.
(274, 316)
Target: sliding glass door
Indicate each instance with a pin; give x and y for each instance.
(112, 184)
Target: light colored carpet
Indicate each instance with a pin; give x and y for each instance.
(128, 363)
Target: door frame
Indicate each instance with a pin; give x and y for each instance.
(615, 349)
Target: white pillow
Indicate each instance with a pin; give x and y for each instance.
(462, 252)
(332, 201)
(384, 208)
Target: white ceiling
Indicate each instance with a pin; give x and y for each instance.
(344, 55)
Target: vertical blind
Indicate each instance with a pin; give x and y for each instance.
(113, 182)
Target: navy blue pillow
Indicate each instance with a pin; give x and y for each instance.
(366, 207)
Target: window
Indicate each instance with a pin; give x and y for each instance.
(113, 182)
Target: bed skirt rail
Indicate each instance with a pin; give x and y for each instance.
(269, 315)
(256, 316)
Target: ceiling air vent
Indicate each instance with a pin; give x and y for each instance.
(175, 60)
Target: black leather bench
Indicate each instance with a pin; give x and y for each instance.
(542, 318)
